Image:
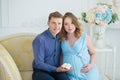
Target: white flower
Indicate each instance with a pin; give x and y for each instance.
(90, 16)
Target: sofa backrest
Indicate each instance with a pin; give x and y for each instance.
(20, 48)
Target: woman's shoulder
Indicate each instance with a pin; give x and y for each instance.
(83, 35)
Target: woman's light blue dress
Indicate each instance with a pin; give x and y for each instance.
(78, 56)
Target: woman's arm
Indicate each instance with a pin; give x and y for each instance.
(92, 53)
(91, 49)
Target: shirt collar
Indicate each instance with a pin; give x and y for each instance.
(50, 35)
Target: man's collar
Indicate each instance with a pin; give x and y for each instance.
(50, 34)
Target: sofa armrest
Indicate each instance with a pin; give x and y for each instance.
(8, 68)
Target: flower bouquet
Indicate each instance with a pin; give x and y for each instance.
(100, 16)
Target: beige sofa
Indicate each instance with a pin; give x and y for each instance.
(16, 56)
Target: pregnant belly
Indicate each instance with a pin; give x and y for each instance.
(75, 62)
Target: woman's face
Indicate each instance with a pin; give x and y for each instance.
(68, 25)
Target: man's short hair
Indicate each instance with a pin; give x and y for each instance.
(55, 14)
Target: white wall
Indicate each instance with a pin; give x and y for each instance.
(28, 16)
(0, 15)
(32, 15)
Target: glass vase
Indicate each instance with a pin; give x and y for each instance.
(98, 36)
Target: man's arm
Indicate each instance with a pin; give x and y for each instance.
(39, 55)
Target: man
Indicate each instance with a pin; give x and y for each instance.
(46, 47)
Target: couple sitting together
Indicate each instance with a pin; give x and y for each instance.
(64, 51)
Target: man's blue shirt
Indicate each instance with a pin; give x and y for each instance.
(47, 50)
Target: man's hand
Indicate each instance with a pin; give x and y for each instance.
(62, 69)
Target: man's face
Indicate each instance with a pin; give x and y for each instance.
(55, 25)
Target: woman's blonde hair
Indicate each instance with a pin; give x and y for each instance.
(78, 25)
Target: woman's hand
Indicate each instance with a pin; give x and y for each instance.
(86, 68)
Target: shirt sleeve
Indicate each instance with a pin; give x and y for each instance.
(39, 55)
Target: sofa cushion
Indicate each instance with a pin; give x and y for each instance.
(9, 70)
(26, 75)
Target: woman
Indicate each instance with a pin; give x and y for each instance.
(78, 50)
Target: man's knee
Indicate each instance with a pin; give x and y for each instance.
(62, 76)
(41, 76)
